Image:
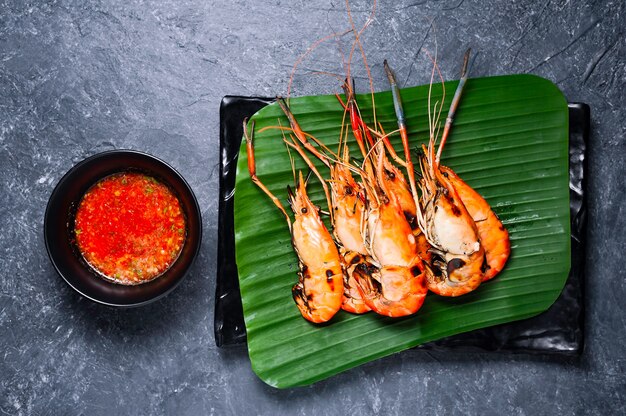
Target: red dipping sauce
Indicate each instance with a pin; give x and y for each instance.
(130, 228)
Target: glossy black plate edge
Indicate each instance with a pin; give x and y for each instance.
(228, 320)
(558, 330)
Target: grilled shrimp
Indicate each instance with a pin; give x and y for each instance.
(442, 216)
(392, 290)
(397, 288)
(389, 236)
(492, 235)
(457, 267)
(389, 275)
(395, 181)
(394, 284)
(319, 291)
(346, 205)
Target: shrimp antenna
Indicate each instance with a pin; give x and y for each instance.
(306, 53)
(397, 103)
(308, 176)
(252, 170)
(291, 160)
(299, 133)
(455, 102)
(312, 169)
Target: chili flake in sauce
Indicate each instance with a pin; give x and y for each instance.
(130, 227)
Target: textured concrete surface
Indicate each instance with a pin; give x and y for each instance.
(79, 77)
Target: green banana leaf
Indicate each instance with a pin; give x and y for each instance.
(509, 141)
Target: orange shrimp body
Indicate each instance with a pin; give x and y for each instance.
(492, 235)
(319, 291)
(348, 206)
(398, 186)
(391, 239)
(397, 288)
(449, 228)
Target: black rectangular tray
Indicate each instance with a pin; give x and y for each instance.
(558, 330)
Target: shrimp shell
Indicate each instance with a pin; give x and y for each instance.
(319, 290)
(491, 232)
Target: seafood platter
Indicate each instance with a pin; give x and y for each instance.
(366, 224)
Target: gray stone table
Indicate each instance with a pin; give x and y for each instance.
(79, 77)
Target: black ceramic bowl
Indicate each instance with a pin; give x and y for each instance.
(59, 223)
